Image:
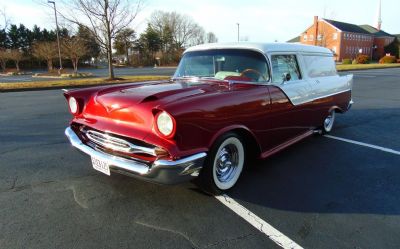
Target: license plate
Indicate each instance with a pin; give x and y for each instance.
(100, 166)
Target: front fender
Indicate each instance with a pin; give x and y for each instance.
(232, 128)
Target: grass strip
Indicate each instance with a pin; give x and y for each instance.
(76, 82)
(365, 66)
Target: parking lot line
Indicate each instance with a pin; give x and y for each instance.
(365, 144)
(261, 225)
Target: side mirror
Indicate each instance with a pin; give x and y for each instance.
(286, 77)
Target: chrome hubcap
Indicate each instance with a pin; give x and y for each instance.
(227, 162)
(328, 122)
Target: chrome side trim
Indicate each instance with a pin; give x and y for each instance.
(160, 171)
(326, 96)
(117, 144)
(308, 90)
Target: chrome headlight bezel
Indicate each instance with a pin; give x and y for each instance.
(165, 124)
(73, 105)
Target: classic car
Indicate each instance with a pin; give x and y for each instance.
(226, 104)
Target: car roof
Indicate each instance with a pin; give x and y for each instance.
(263, 47)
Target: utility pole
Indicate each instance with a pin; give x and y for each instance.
(238, 31)
(58, 36)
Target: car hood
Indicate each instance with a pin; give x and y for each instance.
(156, 93)
(128, 110)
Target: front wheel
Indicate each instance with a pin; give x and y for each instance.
(224, 164)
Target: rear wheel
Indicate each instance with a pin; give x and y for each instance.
(329, 122)
(223, 165)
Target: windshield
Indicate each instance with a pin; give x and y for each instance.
(224, 64)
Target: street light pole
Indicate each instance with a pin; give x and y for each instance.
(238, 31)
(58, 36)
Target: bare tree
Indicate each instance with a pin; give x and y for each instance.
(16, 55)
(184, 30)
(211, 37)
(74, 48)
(4, 19)
(104, 18)
(199, 36)
(47, 51)
(4, 57)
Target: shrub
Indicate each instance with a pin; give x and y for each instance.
(393, 48)
(354, 62)
(346, 61)
(387, 60)
(398, 60)
(362, 59)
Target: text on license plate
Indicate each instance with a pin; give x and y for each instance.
(100, 166)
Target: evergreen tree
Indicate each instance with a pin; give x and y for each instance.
(93, 48)
(4, 42)
(124, 42)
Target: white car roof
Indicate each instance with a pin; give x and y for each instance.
(263, 47)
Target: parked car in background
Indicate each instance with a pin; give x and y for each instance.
(225, 104)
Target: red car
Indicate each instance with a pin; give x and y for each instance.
(225, 104)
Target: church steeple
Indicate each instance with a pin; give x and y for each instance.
(379, 23)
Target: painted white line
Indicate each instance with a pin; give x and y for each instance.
(273, 234)
(365, 144)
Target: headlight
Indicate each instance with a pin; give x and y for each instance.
(165, 124)
(73, 105)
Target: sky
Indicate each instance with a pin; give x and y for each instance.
(259, 20)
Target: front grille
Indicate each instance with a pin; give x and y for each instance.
(111, 142)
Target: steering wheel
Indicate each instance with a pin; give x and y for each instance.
(253, 71)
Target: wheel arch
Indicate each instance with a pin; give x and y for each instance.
(336, 109)
(250, 141)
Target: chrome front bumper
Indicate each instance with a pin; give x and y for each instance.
(160, 171)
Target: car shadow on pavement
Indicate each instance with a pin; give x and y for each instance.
(322, 175)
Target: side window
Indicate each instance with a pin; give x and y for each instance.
(283, 64)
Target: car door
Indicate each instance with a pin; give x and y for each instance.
(289, 113)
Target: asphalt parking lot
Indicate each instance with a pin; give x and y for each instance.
(320, 193)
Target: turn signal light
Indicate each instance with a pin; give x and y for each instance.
(160, 152)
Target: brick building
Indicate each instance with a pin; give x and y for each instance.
(346, 40)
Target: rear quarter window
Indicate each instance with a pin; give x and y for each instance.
(319, 66)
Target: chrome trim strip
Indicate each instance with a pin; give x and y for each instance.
(117, 144)
(305, 91)
(321, 97)
(161, 171)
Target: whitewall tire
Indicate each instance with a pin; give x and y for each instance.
(329, 122)
(224, 164)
